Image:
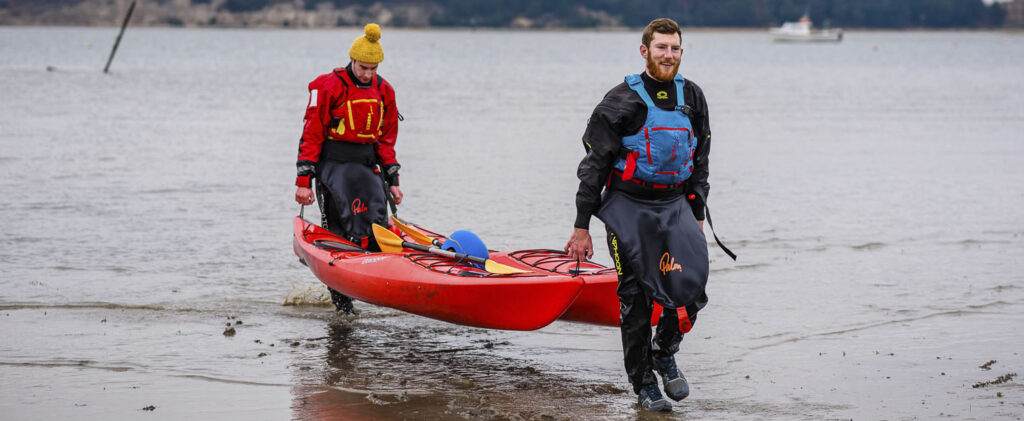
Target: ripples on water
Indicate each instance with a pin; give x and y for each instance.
(869, 187)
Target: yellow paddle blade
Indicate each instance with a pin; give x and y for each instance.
(495, 267)
(416, 235)
(387, 240)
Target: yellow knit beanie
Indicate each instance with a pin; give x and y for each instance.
(366, 48)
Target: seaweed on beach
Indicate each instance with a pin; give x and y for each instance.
(1001, 379)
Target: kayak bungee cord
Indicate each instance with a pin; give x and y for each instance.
(556, 261)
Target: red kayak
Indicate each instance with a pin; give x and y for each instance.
(598, 303)
(436, 286)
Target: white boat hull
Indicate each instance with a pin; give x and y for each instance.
(802, 32)
(823, 36)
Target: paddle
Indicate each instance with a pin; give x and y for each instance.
(338, 246)
(415, 233)
(391, 243)
(387, 190)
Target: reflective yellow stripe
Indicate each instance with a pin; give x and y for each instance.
(351, 120)
(369, 118)
(615, 252)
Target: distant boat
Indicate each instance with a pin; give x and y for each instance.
(801, 31)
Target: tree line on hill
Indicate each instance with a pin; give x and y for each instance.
(732, 13)
(637, 13)
(718, 13)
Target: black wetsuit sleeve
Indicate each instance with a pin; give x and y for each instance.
(698, 181)
(620, 113)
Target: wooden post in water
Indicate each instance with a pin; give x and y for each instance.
(127, 17)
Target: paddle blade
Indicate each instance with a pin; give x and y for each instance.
(388, 241)
(495, 267)
(416, 235)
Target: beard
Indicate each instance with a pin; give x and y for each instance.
(658, 73)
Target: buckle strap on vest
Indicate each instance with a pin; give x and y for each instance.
(640, 191)
(628, 176)
(631, 157)
(685, 109)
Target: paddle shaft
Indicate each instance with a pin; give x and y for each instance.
(443, 252)
(420, 237)
(387, 191)
(391, 242)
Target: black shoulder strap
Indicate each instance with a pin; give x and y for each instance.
(707, 213)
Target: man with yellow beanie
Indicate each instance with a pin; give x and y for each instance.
(348, 147)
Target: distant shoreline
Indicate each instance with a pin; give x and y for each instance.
(582, 15)
(699, 29)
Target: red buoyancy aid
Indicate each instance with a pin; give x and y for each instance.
(359, 115)
(341, 111)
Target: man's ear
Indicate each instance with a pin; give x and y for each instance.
(643, 51)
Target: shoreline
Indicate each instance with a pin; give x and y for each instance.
(699, 29)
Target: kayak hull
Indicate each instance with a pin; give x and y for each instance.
(598, 301)
(432, 286)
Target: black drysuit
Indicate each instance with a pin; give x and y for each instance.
(621, 113)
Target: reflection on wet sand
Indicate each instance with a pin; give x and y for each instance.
(384, 372)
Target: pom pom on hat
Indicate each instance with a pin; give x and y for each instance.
(372, 31)
(366, 48)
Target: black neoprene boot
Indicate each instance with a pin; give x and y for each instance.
(342, 302)
(650, 398)
(676, 386)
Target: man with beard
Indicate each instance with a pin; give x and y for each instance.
(647, 146)
(348, 146)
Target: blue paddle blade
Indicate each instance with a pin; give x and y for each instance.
(466, 242)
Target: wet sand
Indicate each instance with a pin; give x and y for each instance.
(90, 362)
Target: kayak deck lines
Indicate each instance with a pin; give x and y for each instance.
(558, 262)
(456, 267)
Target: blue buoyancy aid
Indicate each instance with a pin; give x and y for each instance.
(662, 150)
